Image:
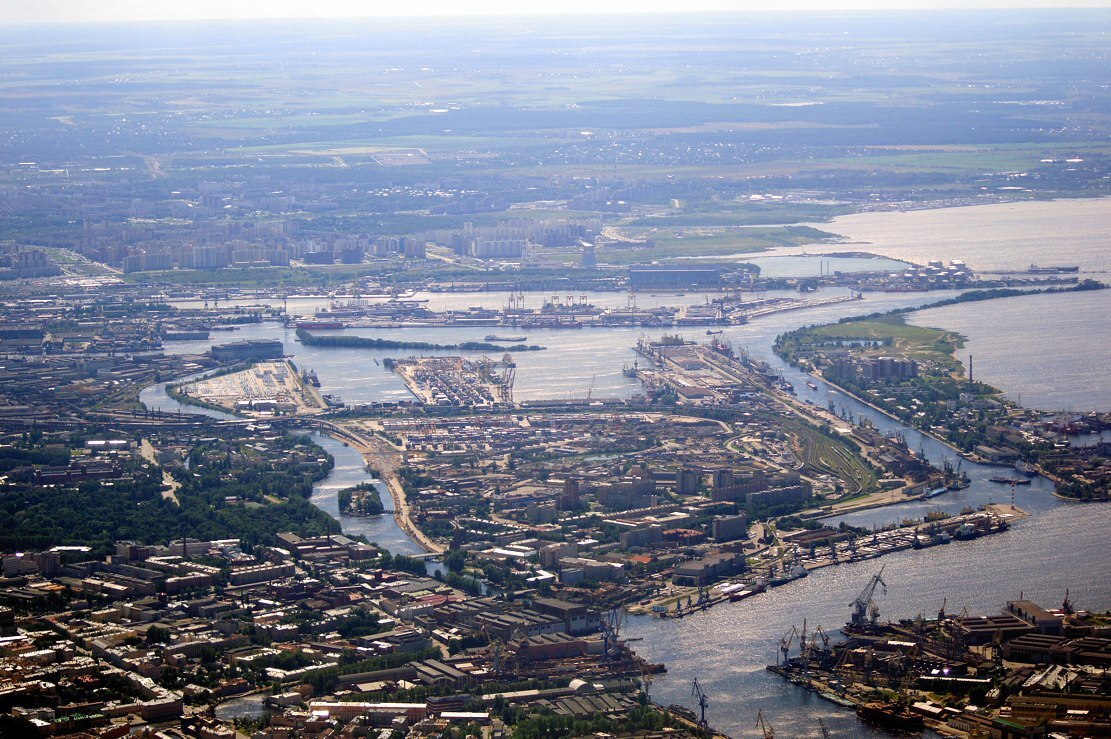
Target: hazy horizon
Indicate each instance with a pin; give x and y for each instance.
(23, 12)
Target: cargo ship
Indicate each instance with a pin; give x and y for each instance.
(959, 483)
(1053, 269)
(931, 541)
(834, 698)
(811, 385)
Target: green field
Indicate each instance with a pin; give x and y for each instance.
(895, 337)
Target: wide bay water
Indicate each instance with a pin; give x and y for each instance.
(1060, 546)
(1052, 352)
(992, 237)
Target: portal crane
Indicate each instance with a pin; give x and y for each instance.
(825, 652)
(786, 641)
(645, 682)
(865, 610)
(703, 701)
(763, 725)
(611, 631)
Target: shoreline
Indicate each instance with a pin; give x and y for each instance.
(925, 432)
(404, 519)
(1005, 511)
(371, 460)
(802, 350)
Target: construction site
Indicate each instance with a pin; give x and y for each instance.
(266, 388)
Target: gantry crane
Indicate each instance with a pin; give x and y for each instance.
(505, 382)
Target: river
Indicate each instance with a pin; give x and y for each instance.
(349, 470)
(1060, 546)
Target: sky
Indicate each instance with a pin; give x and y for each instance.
(80, 11)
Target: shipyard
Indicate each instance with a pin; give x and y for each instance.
(960, 675)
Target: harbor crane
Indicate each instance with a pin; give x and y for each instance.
(763, 725)
(611, 631)
(496, 649)
(703, 701)
(645, 682)
(825, 652)
(785, 642)
(865, 610)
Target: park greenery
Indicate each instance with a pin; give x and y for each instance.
(229, 490)
(361, 500)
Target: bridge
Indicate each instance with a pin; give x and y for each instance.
(424, 555)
